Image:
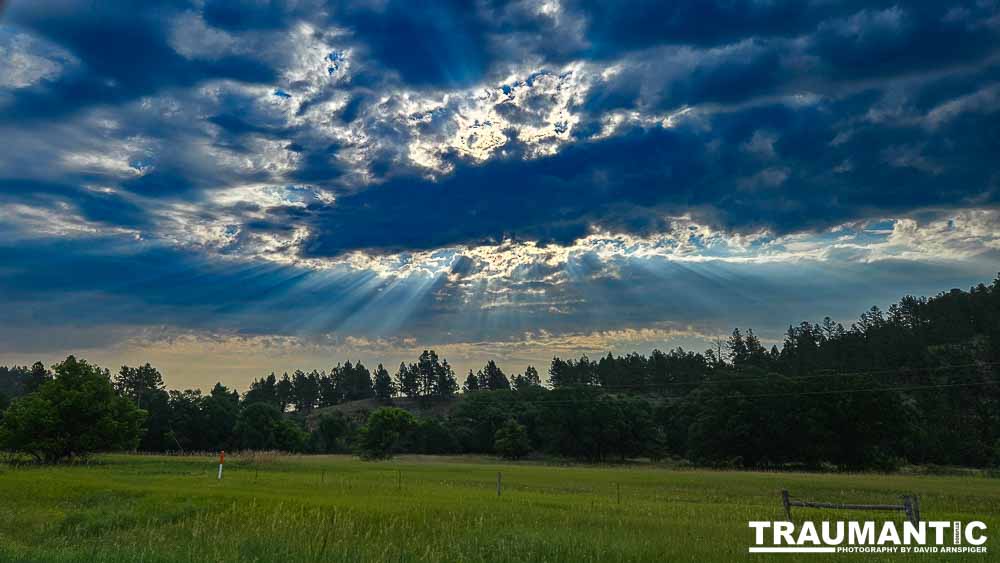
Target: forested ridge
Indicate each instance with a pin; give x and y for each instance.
(917, 383)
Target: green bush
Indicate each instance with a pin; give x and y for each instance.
(379, 438)
(511, 441)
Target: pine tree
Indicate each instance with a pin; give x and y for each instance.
(384, 387)
(447, 385)
(37, 377)
(428, 368)
(283, 390)
(471, 383)
(492, 377)
(528, 380)
(406, 380)
(360, 383)
(737, 347)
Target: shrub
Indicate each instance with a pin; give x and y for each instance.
(512, 441)
(379, 438)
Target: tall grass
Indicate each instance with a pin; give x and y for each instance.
(335, 508)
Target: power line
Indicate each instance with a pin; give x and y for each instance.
(773, 376)
(777, 395)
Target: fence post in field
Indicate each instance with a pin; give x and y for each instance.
(498, 483)
(222, 459)
(787, 505)
(911, 507)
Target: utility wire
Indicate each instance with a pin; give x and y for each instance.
(779, 376)
(785, 394)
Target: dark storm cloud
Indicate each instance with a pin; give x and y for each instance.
(803, 115)
(826, 160)
(107, 283)
(551, 199)
(426, 42)
(904, 38)
(855, 50)
(100, 207)
(449, 43)
(807, 180)
(629, 25)
(124, 54)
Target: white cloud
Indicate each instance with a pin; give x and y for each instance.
(984, 100)
(26, 60)
(60, 219)
(909, 156)
(761, 144)
(192, 38)
(117, 158)
(770, 177)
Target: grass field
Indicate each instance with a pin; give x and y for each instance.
(336, 508)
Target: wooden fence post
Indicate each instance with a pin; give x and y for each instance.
(498, 483)
(911, 507)
(787, 505)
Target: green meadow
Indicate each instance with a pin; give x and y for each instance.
(338, 508)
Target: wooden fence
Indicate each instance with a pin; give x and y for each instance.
(910, 506)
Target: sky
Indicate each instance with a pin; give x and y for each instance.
(226, 188)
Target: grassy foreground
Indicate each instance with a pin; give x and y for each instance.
(336, 508)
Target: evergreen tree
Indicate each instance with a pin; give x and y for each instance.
(428, 370)
(384, 388)
(527, 380)
(492, 377)
(359, 382)
(329, 393)
(407, 380)
(737, 348)
(284, 391)
(36, 377)
(446, 385)
(471, 383)
(305, 389)
(263, 390)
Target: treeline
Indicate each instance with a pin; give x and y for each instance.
(917, 383)
(430, 377)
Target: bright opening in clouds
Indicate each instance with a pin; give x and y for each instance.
(228, 188)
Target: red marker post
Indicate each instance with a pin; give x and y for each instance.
(222, 459)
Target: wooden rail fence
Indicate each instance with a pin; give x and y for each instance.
(910, 506)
